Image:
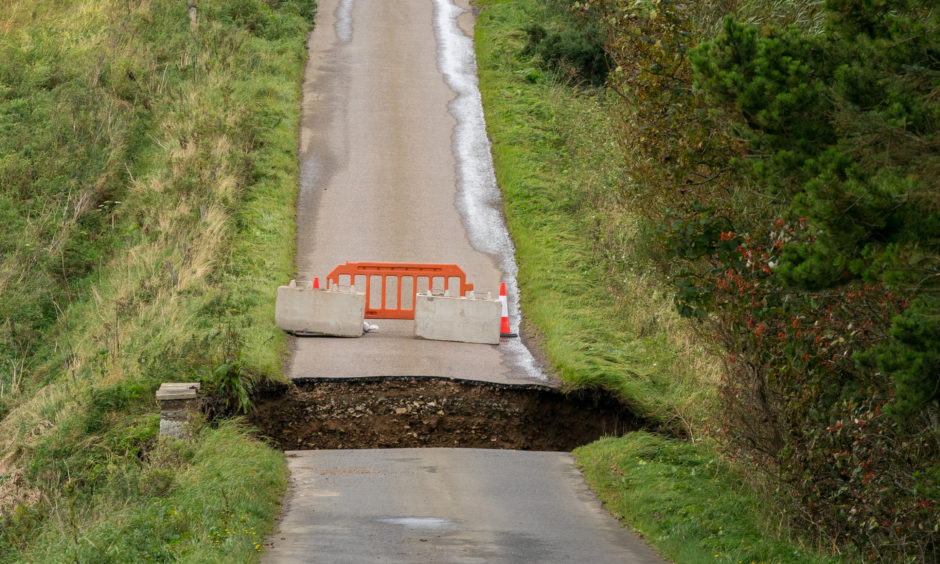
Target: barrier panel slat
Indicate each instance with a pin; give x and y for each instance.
(451, 274)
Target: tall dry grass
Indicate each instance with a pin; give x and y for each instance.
(145, 250)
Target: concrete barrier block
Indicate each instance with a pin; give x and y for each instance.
(337, 312)
(468, 320)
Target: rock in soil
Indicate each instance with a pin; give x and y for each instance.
(400, 413)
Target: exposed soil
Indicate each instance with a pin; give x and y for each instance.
(411, 412)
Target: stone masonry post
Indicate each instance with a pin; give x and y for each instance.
(178, 404)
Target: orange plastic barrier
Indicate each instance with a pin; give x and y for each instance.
(391, 286)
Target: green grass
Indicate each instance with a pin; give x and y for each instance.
(599, 315)
(191, 501)
(685, 502)
(150, 219)
(601, 319)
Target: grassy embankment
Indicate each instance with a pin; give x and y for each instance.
(147, 182)
(603, 321)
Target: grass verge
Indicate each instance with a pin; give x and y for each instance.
(190, 500)
(601, 319)
(158, 195)
(685, 502)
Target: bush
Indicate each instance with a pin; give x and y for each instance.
(791, 171)
(577, 48)
(797, 401)
(826, 352)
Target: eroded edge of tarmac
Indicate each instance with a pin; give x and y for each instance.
(428, 412)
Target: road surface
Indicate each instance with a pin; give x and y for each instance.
(379, 180)
(446, 506)
(394, 167)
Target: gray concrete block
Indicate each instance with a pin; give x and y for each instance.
(467, 320)
(337, 312)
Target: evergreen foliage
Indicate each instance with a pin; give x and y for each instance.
(791, 174)
(846, 126)
(578, 48)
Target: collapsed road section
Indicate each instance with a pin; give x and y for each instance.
(435, 412)
(395, 168)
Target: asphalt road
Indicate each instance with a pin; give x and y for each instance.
(379, 182)
(443, 506)
(394, 168)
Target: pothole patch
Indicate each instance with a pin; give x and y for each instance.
(412, 412)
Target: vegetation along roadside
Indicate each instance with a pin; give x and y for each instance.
(147, 180)
(673, 219)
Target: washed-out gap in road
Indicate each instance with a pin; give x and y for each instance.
(435, 412)
(412, 412)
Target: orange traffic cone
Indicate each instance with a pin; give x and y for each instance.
(504, 330)
(316, 283)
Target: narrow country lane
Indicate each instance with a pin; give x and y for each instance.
(447, 505)
(395, 167)
(379, 182)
